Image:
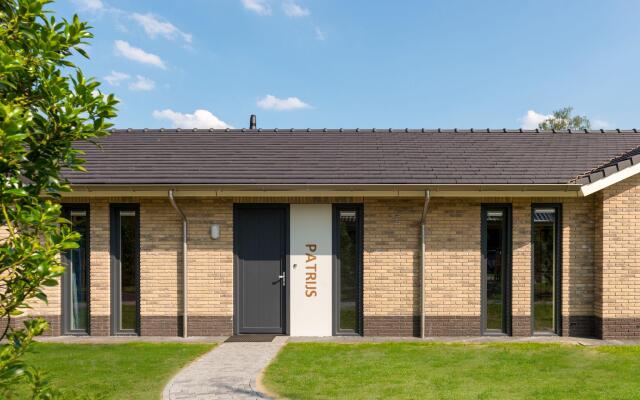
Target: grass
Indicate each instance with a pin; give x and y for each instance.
(111, 371)
(454, 371)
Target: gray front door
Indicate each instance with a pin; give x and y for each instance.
(260, 246)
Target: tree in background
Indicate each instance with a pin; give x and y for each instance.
(562, 119)
(46, 104)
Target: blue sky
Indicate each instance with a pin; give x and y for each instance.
(364, 63)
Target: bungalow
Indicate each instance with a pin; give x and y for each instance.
(319, 232)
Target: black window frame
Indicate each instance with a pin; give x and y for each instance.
(115, 210)
(558, 273)
(359, 209)
(67, 209)
(507, 315)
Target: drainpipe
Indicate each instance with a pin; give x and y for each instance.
(427, 196)
(185, 226)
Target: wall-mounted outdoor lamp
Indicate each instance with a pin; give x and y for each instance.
(215, 231)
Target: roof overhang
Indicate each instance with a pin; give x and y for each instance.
(609, 180)
(347, 190)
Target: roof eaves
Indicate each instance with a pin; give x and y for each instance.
(610, 167)
(372, 130)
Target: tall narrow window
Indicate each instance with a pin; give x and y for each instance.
(75, 281)
(496, 269)
(348, 252)
(125, 255)
(545, 269)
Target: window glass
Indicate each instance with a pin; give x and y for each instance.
(348, 271)
(544, 269)
(128, 264)
(77, 276)
(495, 270)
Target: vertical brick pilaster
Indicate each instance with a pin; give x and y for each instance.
(100, 268)
(521, 267)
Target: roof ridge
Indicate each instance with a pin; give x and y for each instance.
(612, 162)
(374, 130)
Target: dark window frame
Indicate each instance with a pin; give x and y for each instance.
(558, 273)
(359, 209)
(115, 209)
(507, 281)
(67, 208)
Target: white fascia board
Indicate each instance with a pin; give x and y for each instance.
(505, 191)
(612, 179)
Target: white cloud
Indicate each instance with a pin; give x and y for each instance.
(270, 102)
(115, 77)
(600, 124)
(154, 27)
(91, 5)
(292, 9)
(199, 119)
(531, 119)
(136, 54)
(260, 7)
(142, 84)
(320, 35)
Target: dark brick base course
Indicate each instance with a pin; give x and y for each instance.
(160, 325)
(617, 328)
(391, 326)
(443, 325)
(164, 325)
(579, 326)
(210, 325)
(53, 320)
(521, 325)
(100, 325)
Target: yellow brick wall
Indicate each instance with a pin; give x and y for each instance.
(391, 256)
(452, 257)
(391, 277)
(578, 242)
(618, 305)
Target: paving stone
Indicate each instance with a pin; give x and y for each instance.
(227, 372)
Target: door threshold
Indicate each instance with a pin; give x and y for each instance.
(253, 337)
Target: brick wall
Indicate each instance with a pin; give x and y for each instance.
(521, 267)
(391, 265)
(452, 267)
(578, 274)
(618, 277)
(391, 276)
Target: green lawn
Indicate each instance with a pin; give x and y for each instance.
(111, 371)
(455, 371)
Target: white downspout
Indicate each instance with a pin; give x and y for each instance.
(427, 196)
(185, 227)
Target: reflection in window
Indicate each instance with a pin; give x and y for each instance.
(128, 264)
(77, 276)
(495, 225)
(544, 269)
(348, 271)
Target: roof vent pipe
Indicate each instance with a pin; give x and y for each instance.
(252, 121)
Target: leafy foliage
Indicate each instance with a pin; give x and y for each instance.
(562, 119)
(46, 103)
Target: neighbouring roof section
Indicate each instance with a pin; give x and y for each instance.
(353, 157)
(616, 164)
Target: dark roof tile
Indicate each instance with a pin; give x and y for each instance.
(351, 156)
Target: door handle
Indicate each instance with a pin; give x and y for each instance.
(283, 278)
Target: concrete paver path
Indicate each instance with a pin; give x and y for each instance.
(227, 372)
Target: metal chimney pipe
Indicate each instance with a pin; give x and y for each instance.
(252, 121)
